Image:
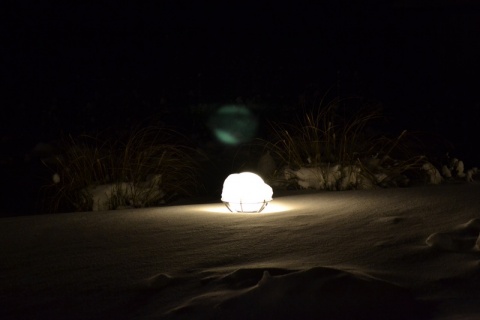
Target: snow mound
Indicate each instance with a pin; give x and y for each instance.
(315, 293)
(465, 237)
(124, 195)
(160, 281)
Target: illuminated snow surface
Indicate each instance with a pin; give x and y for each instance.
(403, 253)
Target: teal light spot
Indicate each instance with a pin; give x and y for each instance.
(225, 136)
(233, 124)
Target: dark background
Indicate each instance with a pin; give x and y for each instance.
(79, 66)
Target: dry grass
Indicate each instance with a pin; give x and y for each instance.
(325, 137)
(322, 136)
(151, 162)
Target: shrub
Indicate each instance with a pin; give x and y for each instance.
(326, 149)
(146, 167)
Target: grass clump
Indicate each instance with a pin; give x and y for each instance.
(145, 167)
(329, 149)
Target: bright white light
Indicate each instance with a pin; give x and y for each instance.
(275, 206)
(246, 192)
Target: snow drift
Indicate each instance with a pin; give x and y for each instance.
(408, 253)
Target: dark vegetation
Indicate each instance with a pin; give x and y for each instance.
(167, 147)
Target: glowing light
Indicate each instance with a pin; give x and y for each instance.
(233, 124)
(274, 207)
(246, 192)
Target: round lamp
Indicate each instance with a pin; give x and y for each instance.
(246, 192)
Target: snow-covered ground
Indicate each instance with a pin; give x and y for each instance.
(400, 253)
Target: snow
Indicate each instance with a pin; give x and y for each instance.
(434, 174)
(397, 253)
(135, 194)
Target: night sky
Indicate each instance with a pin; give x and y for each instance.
(411, 55)
(74, 66)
